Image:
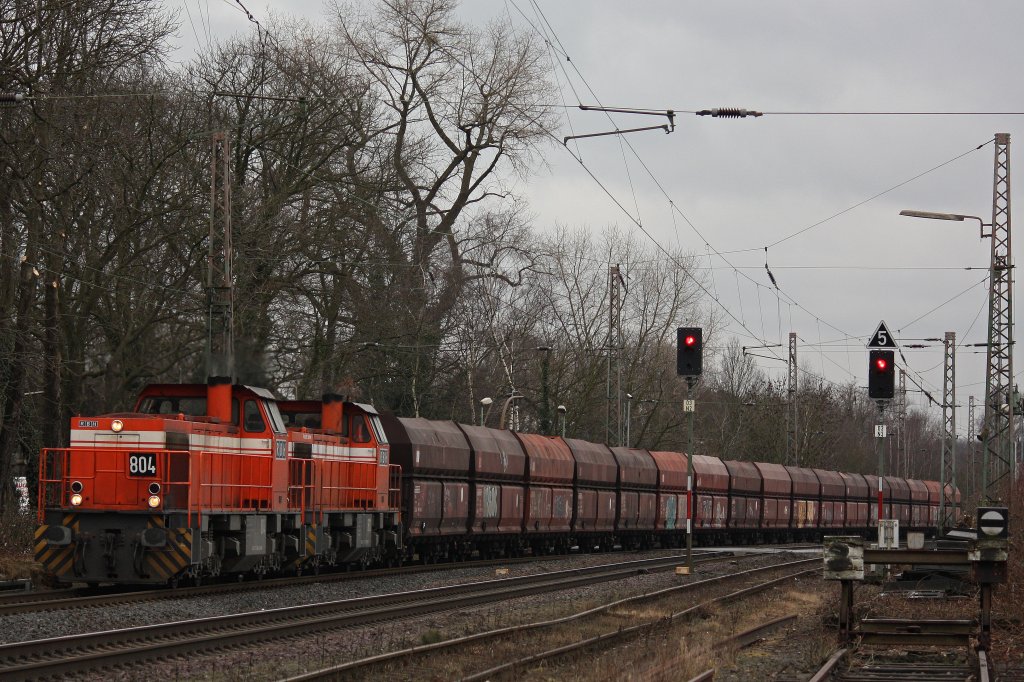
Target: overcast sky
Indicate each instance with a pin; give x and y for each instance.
(745, 184)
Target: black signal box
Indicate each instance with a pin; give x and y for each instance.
(689, 351)
(881, 375)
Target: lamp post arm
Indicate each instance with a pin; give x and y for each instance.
(932, 215)
(981, 226)
(504, 409)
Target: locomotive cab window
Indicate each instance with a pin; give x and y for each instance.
(359, 433)
(378, 429)
(276, 422)
(253, 420)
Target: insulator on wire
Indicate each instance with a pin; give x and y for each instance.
(11, 98)
(729, 112)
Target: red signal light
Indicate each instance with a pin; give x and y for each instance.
(881, 375)
(689, 351)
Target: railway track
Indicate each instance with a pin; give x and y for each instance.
(846, 666)
(609, 637)
(91, 651)
(76, 598)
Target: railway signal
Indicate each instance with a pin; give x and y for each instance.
(993, 522)
(689, 351)
(882, 375)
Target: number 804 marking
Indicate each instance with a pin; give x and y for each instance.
(142, 464)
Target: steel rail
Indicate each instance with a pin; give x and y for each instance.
(751, 635)
(76, 653)
(922, 671)
(825, 671)
(331, 671)
(51, 600)
(96, 597)
(706, 676)
(635, 629)
(72, 598)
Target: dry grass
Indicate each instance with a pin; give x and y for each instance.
(643, 612)
(685, 651)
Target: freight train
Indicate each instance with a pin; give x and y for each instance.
(211, 480)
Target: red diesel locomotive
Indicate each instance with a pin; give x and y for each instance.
(206, 480)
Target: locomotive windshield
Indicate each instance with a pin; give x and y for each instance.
(378, 429)
(358, 433)
(276, 422)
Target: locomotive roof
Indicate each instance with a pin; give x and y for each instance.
(310, 404)
(369, 409)
(201, 389)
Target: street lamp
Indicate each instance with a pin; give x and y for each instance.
(931, 215)
(504, 408)
(561, 417)
(484, 402)
(997, 433)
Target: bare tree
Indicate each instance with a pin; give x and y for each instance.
(659, 296)
(461, 109)
(52, 50)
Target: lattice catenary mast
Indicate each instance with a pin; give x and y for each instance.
(997, 431)
(791, 406)
(220, 361)
(947, 500)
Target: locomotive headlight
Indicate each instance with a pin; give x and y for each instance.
(76, 486)
(154, 501)
(116, 426)
(76, 500)
(154, 488)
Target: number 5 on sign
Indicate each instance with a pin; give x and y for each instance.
(882, 338)
(879, 430)
(688, 405)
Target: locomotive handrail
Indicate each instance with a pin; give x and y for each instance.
(357, 488)
(395, 486)
(202, 481)
(56, 476)
(300, 486)
(229, 481)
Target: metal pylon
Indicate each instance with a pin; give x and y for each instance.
(901, 427)
(947, 501)
(997, 432)
(791, 406)
(972, 449)
(614, 401)
(219, 284)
